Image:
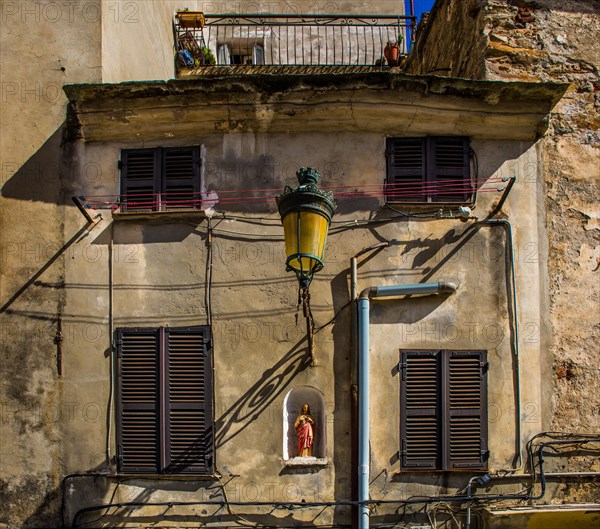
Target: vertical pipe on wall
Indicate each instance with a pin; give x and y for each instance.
(439, 287)
(354, 449)
(111, 356)
(354, 394)
(354, 391)
(505, 223)
(363, 411)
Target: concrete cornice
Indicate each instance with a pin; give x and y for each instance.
(390, 103)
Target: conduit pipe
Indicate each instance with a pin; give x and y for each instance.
(505, 223)
(439, 287)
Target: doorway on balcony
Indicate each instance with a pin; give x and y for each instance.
(240, 51)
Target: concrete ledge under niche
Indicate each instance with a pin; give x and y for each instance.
(304, 465)
(306, 462)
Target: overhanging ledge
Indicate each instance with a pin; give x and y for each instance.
(384, 102)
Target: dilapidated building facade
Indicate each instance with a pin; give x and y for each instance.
(156, 351)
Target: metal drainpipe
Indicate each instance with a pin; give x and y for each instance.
(110, 412)
(354, 375)
(440, 287)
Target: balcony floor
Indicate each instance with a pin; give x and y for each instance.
(235, 70)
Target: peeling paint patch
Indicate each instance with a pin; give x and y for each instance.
(589, 257)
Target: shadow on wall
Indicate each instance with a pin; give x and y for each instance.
(39, 179)
(90, 497)
(262, 394)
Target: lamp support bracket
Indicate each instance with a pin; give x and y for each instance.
(304, 299)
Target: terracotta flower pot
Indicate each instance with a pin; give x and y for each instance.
(392, 53)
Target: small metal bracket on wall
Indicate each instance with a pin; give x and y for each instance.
(92, 222)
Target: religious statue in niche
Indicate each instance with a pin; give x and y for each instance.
(305, 428)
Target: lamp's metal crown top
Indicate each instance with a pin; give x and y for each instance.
(307, 195)
(307, 175)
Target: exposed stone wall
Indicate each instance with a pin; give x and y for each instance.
(438, 51)
(561, 43)
(553, 40)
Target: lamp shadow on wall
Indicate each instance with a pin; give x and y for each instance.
(247, 409)
(262, 394)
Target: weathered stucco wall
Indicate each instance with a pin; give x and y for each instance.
(553, 40)
(53, 426)
(158, 273)
(159, 279)
(562, 38)
(40, 50)
(137, 39)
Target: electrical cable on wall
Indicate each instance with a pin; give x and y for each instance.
(558, 439)
(407, 192)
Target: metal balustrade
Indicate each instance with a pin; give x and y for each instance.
(290, 40)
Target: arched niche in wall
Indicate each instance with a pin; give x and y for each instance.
(292, 406)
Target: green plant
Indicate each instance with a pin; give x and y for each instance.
(208, 57)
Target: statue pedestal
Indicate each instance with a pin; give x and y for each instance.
(306, 462)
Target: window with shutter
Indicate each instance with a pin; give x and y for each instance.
(443, 410)
(421, 410)
(428, 169)
(139, 354)
(160, 179)
(181, 178)
(165, 400)
(140, 179)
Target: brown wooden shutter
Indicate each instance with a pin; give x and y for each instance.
(138, 427)
(405, 170)
(188, 400)
(448, 168)
(181, 178)
(466, 410)
(165, 400)
(140, 179)
(420, 410)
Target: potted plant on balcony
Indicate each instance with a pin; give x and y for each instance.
(392, 51)
(207, 57)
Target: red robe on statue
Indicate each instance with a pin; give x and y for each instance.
(305, 436)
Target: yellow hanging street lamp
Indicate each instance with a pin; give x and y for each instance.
(306, 214)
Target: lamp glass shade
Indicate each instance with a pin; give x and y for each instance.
(305, 235)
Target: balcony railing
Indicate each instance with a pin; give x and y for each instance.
(289, 40)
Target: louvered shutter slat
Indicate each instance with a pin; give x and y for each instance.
(420, 409)
(189, 394)
(449, 169)
(139, 417)
(181, 186)
(465, 410)
(428, 169)
(405, 170)
(139, 179)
